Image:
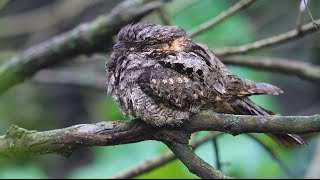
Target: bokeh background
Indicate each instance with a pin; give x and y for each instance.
(46, 102)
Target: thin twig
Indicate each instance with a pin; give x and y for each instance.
(306, 5)
(302, 9)
(300, 69)
(158, 161)
(222, 16)
(216, 152)
(273, 154)
(272, 41)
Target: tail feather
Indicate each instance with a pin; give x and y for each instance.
(265, 88)
(245, 106)
(253, 88)
(288, 140)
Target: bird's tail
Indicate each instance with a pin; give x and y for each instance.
(245, 106)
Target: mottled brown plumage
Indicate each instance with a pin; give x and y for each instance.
(157, 73)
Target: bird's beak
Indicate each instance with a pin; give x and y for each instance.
(118, 45)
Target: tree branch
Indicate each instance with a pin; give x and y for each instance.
(87, 38)
(19, 141)
(314, 23)
(216, 153)
(272, 41)
(222, 16)
(193, 162)
(300, 69)
(41, 18)
(302, 9)
(158, 161)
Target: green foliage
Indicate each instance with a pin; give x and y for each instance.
(110, 160)
(27, 171)
(172, 170)
(107, 109)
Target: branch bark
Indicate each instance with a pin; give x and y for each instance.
(300, 69)
(19, 141)
(41, 18)
(302, 9)
(222, 16)
(158, 161)
(272, 41)
(193, 162)
(87, 38)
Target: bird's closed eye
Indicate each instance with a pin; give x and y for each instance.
(152, 43)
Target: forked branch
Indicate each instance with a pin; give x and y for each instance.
(19, 141)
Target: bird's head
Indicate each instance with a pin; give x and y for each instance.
(148, 38)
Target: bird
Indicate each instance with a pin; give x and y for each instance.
(158, 74)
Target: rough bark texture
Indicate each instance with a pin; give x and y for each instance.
(18, 141)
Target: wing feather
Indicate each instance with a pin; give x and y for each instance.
(172, 89)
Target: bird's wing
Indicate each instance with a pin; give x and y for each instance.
(172, 89)
(232, 84)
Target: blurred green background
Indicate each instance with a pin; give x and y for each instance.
(41, 104)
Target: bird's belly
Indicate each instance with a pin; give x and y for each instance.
(136, 103)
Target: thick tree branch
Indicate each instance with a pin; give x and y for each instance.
(87, 38)
(158, 161)
(222, 16)
(272, 41)
(19, 141)
(237, 124)
(300, 69)
(193, 162)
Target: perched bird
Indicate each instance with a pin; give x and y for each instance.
(158, 74)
